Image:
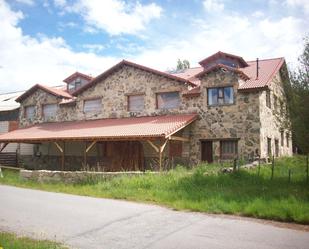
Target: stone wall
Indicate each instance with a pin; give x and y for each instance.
(241, 120)
(274, 120)
(47, 176)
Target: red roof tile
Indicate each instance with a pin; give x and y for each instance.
(51, 90)
(75, 75)
(105, 74)
(102, 129)
(223, 54)
(217, 66)
(267, 69)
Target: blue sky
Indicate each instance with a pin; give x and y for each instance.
(45, 41)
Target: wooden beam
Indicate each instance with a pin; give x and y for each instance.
(153, 146)
(176, 138)
(62, 155)
(90, 146)
(161, 149)
(59, 147)
(3, 146)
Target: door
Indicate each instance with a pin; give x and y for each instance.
(206, 151)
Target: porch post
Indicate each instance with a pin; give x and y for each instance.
(87, 149)
(161, 150)
(62, 155)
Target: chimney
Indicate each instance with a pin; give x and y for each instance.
(257, 68)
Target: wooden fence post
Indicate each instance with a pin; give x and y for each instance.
(234, 164)
(307, 164)
(272, 167)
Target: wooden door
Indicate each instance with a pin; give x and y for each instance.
(206, 148)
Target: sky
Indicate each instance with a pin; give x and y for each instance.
(44, 41)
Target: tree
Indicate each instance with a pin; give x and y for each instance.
(298, 100)
(185, 64)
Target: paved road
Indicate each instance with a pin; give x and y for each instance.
(85, 222)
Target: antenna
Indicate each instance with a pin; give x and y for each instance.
(257, 68)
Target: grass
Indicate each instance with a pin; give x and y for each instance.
(204, 189)
(11, 241)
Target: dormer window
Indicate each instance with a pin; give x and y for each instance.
(76, 81)
(222, 58)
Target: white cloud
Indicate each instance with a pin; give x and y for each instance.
(213, 5)
(28, 2)
(25, 60)
(258, 14)
(94, 47)
(242, 36)
(60, 3)
(300, 4)
(115, 16)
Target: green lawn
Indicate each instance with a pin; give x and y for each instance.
(204, 189)
(11, 241)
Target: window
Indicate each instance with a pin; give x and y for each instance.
(220, 96)
(228, 149)
(282, 138)
(275, 103)
(268, 103)
(287, 140)
(29, 111)
(281, 107)
(49, 110)
(276, 147)
(269, 146)
(175, 149)
(135, 103)
(92, 105)
(168, 100)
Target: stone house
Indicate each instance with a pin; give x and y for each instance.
(132, 117)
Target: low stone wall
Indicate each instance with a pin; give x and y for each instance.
(71, 176)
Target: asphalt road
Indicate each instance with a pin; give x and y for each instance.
(85, 222)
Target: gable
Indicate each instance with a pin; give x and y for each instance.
(123, 63)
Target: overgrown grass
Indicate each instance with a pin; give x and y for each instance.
(204, 189)
(11, 241)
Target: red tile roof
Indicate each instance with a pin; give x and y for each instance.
(218, 66)
(267, 69)
(105, 74)
(223, 54)
(54, 91)
(102, 129)
(75, 75)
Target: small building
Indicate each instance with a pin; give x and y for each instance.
(132, 117)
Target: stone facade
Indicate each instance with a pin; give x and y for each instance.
(274, 120)
(248, 120)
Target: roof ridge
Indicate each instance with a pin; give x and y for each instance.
(276, 58)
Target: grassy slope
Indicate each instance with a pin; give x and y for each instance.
(11, 241)
(242, 193)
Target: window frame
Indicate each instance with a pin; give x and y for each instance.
(287, 139)
(220, 91)
(43, 105)
(234, 154)
(157, 102)
(92, 99)
(268, 98)
(134, 95)
(25, 111)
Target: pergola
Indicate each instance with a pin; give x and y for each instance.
(149, 129)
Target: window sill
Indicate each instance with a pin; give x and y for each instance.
(221, 105)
